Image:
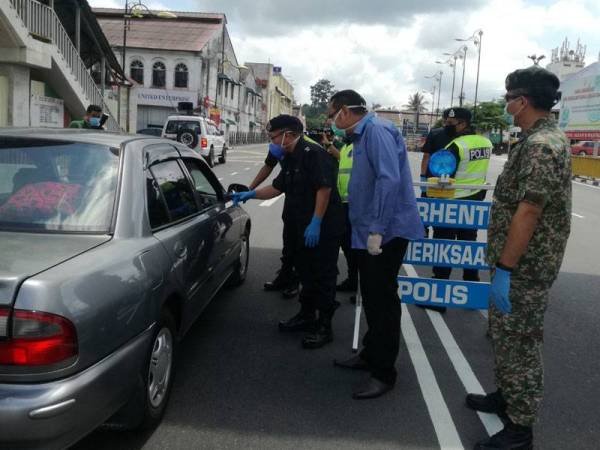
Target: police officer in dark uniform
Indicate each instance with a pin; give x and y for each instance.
(314, 214)
(437, 139)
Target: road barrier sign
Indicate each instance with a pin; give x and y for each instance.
(446, 253)
(449, 293)
(454, 213)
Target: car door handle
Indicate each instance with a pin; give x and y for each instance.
(180, 250)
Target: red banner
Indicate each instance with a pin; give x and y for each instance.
(584, 135)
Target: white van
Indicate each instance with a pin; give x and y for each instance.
(199, 134)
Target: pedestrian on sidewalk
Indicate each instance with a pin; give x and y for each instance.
(529, 226)
(384, 217)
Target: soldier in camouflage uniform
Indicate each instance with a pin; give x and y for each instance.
(527, 235)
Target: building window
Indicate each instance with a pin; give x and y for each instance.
(159, 72)
(181, 76)
(226, 89)
(232, 88)
(136, 71)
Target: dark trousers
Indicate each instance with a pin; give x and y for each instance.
(287, 252)
(317, 269)
(452, 234)
(379, 289)
(349, 253)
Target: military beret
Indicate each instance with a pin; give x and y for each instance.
(457, 113)
(531, 79)
(285, 122)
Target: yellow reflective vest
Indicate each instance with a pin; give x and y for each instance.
(345, 169)
(474, 152)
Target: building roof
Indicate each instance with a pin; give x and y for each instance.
(188, 32)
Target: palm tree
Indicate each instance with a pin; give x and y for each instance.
(416, 103)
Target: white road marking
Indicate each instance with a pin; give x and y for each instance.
(271, 201)
(410, 270)
(444, 426)
(233, 173)
(247, 168)
(484, 313)
(578, 216)
(221, 179)
(586, 185)
(491, 422)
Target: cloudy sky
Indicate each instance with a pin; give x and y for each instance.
(384, 49)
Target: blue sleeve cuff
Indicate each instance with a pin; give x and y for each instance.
(377, 229)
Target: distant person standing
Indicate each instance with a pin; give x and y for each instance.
(93, 119)
(529, 226)
(384, 217)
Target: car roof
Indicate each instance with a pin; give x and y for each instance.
(199, 118)
(74, 134)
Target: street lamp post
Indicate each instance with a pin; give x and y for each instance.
(462, 83)
(452, 63)
(476, 37)
(437, 77)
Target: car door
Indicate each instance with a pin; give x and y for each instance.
(210, 197)
(185, 231)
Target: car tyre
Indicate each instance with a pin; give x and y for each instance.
(211, 158)
(188, 137)
(240, 269)
(223, 157)
(582, 153)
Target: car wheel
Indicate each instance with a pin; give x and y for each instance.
(159, 371)
(187, 137)
(223, 157)
(240, 269)
(582, 153)
(211, 158)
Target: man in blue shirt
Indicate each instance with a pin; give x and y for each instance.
(384, 217)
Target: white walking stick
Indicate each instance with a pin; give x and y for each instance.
(357, 313)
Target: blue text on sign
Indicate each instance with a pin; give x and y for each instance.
(449, 293)
(446, 253)
(454, 213)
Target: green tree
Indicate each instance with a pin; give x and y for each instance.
(416, 103)
(320, 93)
(490, 116)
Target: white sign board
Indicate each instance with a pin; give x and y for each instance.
(580, 104)
(165, 97)
(47, 112)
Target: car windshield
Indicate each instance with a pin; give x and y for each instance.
(48, 185)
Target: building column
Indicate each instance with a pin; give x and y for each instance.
(78, 29)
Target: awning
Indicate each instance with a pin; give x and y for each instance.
(222, 76)
(252, 124)
(230, 122)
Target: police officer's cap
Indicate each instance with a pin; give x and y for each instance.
(285, 122)
(457, 113)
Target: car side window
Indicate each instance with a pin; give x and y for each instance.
(175, 189)
(157, 210)
(206, 193)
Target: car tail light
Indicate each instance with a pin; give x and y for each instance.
(37, 338)
(203, 142)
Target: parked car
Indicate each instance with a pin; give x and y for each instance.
(110, 247)
(586, 148)
(199, 134)
(150, 131)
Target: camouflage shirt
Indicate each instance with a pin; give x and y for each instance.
(538, 171)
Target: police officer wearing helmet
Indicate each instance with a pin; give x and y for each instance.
(527, 235)
(315, 217)
(472, 153)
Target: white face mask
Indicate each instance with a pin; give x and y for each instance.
(334, 126)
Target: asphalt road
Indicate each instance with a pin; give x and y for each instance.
(242, 385)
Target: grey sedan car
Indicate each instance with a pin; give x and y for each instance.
(110, 247)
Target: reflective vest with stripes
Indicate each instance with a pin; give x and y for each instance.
(345, 169)
(475, 152)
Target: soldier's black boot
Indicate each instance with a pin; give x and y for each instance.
(323, 333)
(281, 281)
(303, 321)
(491, 403)
(511, 437)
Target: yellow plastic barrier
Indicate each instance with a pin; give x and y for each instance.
(438, 192)
(586, 166)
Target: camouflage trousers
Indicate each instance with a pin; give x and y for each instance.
(517, 342)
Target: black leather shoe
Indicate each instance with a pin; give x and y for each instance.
(440, 309)
(290, 291)
(347, 286)
(323, 335)
(355, 363)
(491, 403)
(281, 281)
(373, 389)
(300, 322)
(511, 437)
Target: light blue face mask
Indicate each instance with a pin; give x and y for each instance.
(276, 151)
(94, 122)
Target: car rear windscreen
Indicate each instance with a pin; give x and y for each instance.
(60, 186)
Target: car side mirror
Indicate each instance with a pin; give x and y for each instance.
(237, 187)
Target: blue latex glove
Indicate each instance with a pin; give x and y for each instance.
(243, 197)
(500, 289)
(313, 232)
(424, 180)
